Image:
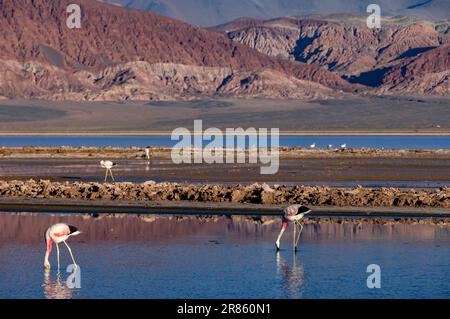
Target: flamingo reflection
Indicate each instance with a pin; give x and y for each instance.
(292, 276)
(56, 288)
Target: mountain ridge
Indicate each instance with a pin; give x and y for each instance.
(122, 54)
(37, 47)
(209, 13)
(362, 55)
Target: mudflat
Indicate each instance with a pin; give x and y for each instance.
(411, 168)
(71, 177)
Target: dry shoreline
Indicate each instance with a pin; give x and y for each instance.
(165, 152)
(199, 209)
(408, 168)
(388, 114)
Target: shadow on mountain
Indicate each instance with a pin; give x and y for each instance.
(413, 52)
(372, 78)
(419, 4)
(300, 47)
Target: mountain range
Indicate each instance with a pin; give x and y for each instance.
(122, 54)
(214, 12)
(405, 56)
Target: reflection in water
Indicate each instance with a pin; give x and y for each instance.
(292, 276)
(56, 289)
(28, 228)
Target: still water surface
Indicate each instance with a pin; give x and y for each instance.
(390, 142)
(155, 257)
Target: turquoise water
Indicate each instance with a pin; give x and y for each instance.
(229, 259)
(409, 142)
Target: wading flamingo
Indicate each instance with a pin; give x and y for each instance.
(147, 153)
(293, 214)
(108, 165)
(55, 234)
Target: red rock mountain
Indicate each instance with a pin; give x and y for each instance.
(130, 54)
(399, 56)
(213, 12)
(427, 73)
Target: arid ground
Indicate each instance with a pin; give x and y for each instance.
(410, 168)
(360, 114)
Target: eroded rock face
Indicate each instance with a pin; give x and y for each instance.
(255, 193)
(208, 13)
(376, 58)
(144, 81)
(121, 54)
(428, 73)
(345, 46)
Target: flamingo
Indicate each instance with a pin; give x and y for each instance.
(313, 145)
(293, 214)
(108, 165)
(58, 233)
(147, 153)
(344, 146)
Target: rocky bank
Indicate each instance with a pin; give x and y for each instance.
(254, 193)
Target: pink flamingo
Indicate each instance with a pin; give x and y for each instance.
(108, 165)
(55, 234)
(293, 214)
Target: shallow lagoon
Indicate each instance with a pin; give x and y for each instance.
(156, 257)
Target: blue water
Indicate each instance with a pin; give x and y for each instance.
(120, 258)
(394, 142)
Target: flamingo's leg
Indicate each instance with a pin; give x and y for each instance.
(111, 175)
(57, 253)
(283, 228)
(300, 225)
(106, 175)
(70, 252)
(294, 242)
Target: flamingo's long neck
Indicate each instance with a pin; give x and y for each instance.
(49, 243)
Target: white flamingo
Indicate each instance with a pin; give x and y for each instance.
(147, 153)
(293, 214)
(108, 165)
(313, 145)
(344, 146)
(56, 234)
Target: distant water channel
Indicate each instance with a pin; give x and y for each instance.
(385, 141)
